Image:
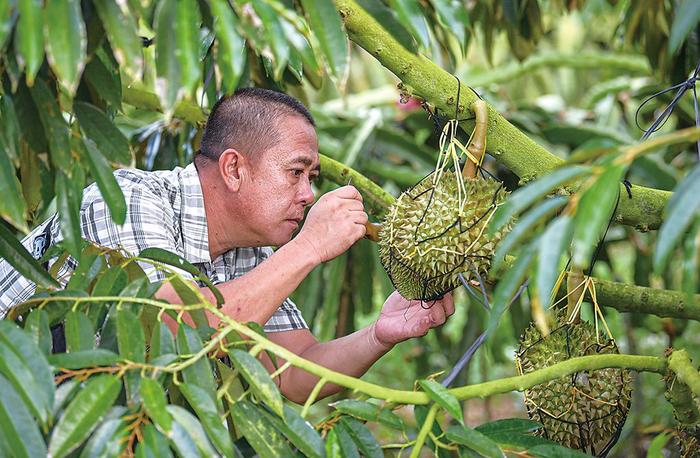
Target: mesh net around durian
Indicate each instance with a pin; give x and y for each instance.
(437, 229)
(585, 410)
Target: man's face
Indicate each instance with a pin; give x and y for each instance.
(279, 187)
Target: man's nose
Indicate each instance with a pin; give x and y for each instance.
(306, 193)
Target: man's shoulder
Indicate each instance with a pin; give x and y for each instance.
(154, 185)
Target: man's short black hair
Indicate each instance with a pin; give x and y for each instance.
(248, 121)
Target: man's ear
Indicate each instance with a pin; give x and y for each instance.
(231, 168)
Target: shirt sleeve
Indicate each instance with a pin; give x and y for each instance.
(286, 318)
(150, 222)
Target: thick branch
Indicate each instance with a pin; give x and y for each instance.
(505, 142)
(679, 362)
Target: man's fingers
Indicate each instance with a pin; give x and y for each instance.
(437, 314)
(448, 304)
(348, 192)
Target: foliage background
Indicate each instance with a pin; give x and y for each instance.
(571, 75)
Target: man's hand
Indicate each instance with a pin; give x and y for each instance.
(334, 223)
(402, 319)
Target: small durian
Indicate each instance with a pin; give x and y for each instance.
(584, 410)
(431, 234)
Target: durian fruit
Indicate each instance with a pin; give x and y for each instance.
(427, 236)
(583, 410)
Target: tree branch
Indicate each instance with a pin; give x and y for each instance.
(505, 142)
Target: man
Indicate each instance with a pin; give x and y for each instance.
(247, 191)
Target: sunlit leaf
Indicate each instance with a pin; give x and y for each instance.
(258, 378)
(18, 425)
(120, 27)
(680, 212)
(593, 214)
(553, 244)
(29, 37)
(443, 398)
(475, 440)
(685, 17)
(188, 434)
(327, 27)
(207, 410)
(84, 413)
(66, 41)
(261, 435)
(230, 49)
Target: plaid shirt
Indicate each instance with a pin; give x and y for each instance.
(165, 209)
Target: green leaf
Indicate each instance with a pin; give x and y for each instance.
(259, 379)
(80, 335)
(474, 440)
(593, 213)
(333, 447)
(261, 435)
(29, 37)
(189, 434)
(104, 80)
(509, 426)
(102, 172)
(326, 25)
(83, 414)
(298, 431)
(153, 445)
(527, 195)
(207, 410)
(691, 260)
(443, 398)
(66, 41)
(18, 425)
(110, 282)
(108, 139)
(656, 446)
(275, 36)
(155, 403)
(27, 368)
(230, 50)
(361, 409)
(132, 347)
(10, 131)
(65, 392)
(680, 212)
(169, 74)
(121, 30)
(555, 451)
(347, 446)
(453, 18)
(411, 16)
(12, 207)
(175, 260)
(55, 126)
(68, 205)
(525, 227)
(199, 373)
(14, 252)
(187, 25)
(108, 440)
(8, 17)
(81, 359)
(362, 437)
(37, 326)
(553, 243)
(685, 18)
(162, 342)
(508, 285)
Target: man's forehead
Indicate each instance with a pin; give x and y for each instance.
(309, 159)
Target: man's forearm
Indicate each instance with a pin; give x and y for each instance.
(352, 355)
(256, 295)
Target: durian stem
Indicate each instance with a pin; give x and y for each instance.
(425, 429)
(477, 145)
(575, 287)
(679, 362)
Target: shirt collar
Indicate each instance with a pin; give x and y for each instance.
(193, 218)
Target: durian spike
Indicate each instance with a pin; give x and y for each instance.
(575, 287)
(477, 146)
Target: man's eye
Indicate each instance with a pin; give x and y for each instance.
(297, 172)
